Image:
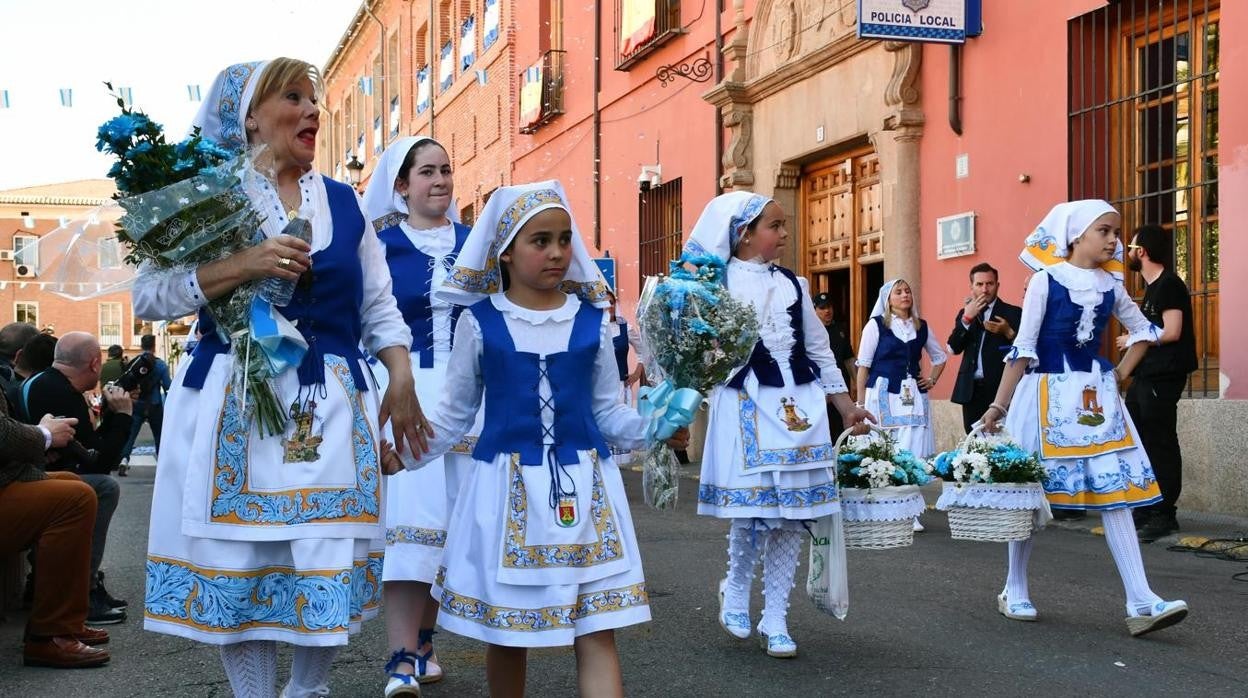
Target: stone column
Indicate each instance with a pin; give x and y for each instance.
(903, 227)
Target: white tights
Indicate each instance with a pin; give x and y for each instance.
(252, 669)
(779, 546)
(1123, 546)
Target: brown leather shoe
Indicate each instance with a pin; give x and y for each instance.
(93, 637)
(63, 653)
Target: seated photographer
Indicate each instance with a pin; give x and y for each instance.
(54, 514)
(93, 453)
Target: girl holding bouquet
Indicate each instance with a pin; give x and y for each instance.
(889, 370)
(768, 464)
(540, 550)
(410, 201)
(1065, 398)
(258, 539)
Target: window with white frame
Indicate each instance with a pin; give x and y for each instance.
(26, 311)
(25, 250)
(110, 324)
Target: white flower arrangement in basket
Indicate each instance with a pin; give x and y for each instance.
(879, 490)
(992, 489)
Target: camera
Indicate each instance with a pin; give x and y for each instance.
(136, 374)
(74, 452)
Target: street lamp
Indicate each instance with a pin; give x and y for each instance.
(355, 171)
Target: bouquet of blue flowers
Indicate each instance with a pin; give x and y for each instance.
(992, 489)
(184, 206)
(875, 461)
(988, 458)
(695, 335)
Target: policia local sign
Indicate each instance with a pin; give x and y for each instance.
(917, 20)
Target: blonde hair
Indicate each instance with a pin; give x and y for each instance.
(888, 307)
(281, 73)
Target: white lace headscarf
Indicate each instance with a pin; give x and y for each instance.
(477, 272)
(223, 112)
(1049, 243)
(723, 222)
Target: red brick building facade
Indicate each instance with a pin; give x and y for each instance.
(439, 68)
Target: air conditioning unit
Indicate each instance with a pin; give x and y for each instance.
(24, 271)
(6, 255)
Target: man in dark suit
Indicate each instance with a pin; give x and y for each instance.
(981, 329)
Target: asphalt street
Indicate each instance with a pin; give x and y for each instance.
(922, 621)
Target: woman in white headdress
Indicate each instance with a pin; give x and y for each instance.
(1059, 398)
(768, 464)
(410, 201)
(889, 370)
(253, 539)
(540, 551)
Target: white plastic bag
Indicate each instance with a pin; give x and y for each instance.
(827, 583)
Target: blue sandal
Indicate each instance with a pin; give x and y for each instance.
(402, 684)
(427, 669)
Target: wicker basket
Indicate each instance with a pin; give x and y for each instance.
(868, 533)
(989, 524)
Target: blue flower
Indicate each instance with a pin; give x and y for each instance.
(699, 326)
(183, 165)
(141, 147)
(944, 462)
(115, 170)
(120, 128)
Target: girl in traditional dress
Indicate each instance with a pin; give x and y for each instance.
(410, 201)
(1065, 399)
(768, 464)
(257, 540)
(540, 551)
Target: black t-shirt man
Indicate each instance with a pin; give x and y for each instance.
(1175, 359)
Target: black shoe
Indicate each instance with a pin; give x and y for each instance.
(1140, 516)
(1068, 514)
(121, 470)
(112, 601)
(100, 613)
(1158, 526)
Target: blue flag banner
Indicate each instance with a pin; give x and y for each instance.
(606, 265)
(194, 94)
(468, 43)
(491, 24)
(67, 96)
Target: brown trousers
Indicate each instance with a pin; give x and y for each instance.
(57, 515)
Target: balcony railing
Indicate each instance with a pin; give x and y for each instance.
(641, 26)
(541, 91)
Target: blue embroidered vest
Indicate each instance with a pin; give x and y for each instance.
(620, 343)
(761, 362)
(1058, 345)
(326, 311)
(412, 273)
(513, 408)
(894, 359)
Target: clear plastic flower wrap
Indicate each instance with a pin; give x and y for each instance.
(694, 336)
(185, 204)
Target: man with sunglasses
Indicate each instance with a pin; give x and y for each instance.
(1159, 379)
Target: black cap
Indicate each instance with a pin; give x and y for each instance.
(822, 300)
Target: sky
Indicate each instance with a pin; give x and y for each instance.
(155, 47)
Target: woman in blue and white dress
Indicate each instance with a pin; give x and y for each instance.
(1059, 398)
(768, 464)
(253, 539)
(410, 201)
(890, 378)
